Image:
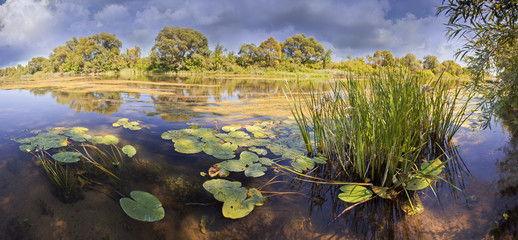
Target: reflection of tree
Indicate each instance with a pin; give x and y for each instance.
(98, 102)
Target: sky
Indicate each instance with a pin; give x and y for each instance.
(356, 28)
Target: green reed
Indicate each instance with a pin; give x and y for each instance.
(380, 128)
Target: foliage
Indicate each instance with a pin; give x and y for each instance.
(143, 207)
(302, 49)
(238, 202)
(174, 44)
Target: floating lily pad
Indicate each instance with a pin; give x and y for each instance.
(259, 151)
(237, 208)
(434, 168)
(216, 170)
(320, 160)
(354, 193)
(233, 165)
(220, 151)
(125, 123)
(248, 157)
(188, 145)
(143, 207)
(110, 139)
(44, 140)
(265, 161)
(129, 150)
(231, 128)
(417, 183)
(172, 134)
(224, 189)
(67, 157)
(255, 170)
(384, 192)
(256, 196)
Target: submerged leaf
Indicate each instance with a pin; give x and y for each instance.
(129, 150)
(434, 168)
(143, 207)
(384, 192)
(417, 183)
(354, 193)
(67, 157)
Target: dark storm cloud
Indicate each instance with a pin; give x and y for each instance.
(32, 28)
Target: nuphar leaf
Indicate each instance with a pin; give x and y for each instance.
(258, 142)
(265, 161)
(239, 134)
(110, 139)
(120, 122)
(80, 137)
(276, 149)
(220, 151)
(417, 183)
(224, 189)
(259, 151)
(434, 168)
(256, 196)
(143, 207)
(172, 134)
(45, 141)
(231, 128)
(255, 170)
(237, 208)
(248, 157)
(129, 150)
(320, 160)
(384, 192)
(188, 145)
(354, 193)
(233, 165)
(67, 157)
(413, 209)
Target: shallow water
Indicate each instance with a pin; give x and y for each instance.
(486, 169)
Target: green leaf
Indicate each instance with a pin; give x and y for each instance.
(188, 145)
(265, 161)
(220, 151)
(110, 139)
(172, 134)
(259, 151)
(354, 193)
(67, 157)
(143, 207)
(237, 208)
(231, 128)
(255, 170)
(434, 168)
(320, 160)
(223, 189)
(233, 165)
(384, 192)
(417, 183)
(129, 150)
(248, 157)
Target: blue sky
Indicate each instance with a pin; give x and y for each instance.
(31, 28)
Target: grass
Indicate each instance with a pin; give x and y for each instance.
(380, 129)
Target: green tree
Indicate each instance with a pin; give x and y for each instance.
(326, 59)
(36, 64)
(271, 51)
(490, 30)
(384, 58)
(302, 49)
(174, 44)
(410, 61)
(248, 55)
(432, 63)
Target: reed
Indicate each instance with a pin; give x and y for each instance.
(379, 129)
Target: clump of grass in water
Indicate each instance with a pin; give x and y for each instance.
(379, 129)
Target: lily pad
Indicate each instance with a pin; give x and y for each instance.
(417, 183)
(231, 128)
(237, 208)
(248, 157)
(237, 201)
(259, 151)
(354, 193)
(188, 145)
(434, 168)
(143, 207)
(124, 122)
(233, 165)
(320, 160)
(384, 192)
(110, 139)
(255, 170)
(44, 140)
(265, 161)
(256, 196)
(67, 157)
(129, 150)
(220, 151)
(172, 134)
(224, 189)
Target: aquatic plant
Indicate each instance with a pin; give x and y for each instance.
(380, 130)
(238, 201)
(143, 207)
(129, 150)
(125, 123)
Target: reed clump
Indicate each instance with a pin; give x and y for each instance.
(380, 129)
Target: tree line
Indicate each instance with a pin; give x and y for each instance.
(184, 49)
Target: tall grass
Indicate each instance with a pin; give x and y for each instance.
(381, 128)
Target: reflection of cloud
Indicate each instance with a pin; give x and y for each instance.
(33, 28)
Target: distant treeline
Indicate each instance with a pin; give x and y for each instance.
(184, 49)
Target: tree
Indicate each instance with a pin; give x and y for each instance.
(270, 51)
(491, 33)
(36, 64)
(326, 59)
(302, 49)
(452, 68)
(432, 63)
(384, 58)
(174, 44)
(248, 55)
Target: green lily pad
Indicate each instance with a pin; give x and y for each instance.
(417, 183)
(384, 192)
(276, 149)
(239, 134)
(129, 150)
(231, 128)
(67, 157)
(44, 140)
(248, 157)
(320, 160)
(110, 139)
(223, 189)
(434, 168)
(354, 193)
(172, 134)
(255, 170)
(80, 137)
(265, 161)
(120, 122)
(188, 145)
(124, 122)
(26, 148)
(220, 151)
(143, 207)
(259, 151)
(233, 165)
(237, 208)
(256, 196)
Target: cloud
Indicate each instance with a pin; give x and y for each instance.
(34, 27)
